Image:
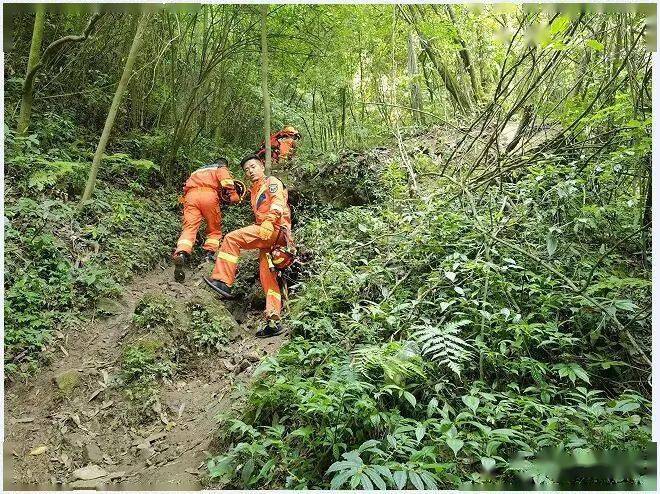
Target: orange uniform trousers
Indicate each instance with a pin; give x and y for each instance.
(200, 203)
(227, 261)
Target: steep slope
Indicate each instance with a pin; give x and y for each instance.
(76, 413)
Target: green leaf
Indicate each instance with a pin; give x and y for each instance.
(487, 463)
(551, 244)
(580, 372)
(432, 407)
(420, 431)
(341, 465)
(266, 468)
(472, 402)
(366, 482)
(221, 468)
(400, 479)
(451, 276)
(302, 432)
(625, 406)
(428, 480)
(625, 305)
(247, 470)
(595, 45)
(375, 478)
(560, 24)
(410, 398)
(368, 445)
(416, 480)
(339, 479)
(383, 471)
(455, 445)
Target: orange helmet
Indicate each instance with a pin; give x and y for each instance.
(282, 257)
(289, 129)
(240, 189)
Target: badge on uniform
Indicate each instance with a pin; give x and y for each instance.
(272, 188)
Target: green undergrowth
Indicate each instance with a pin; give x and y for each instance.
(150, 354)
(59, 261)
(165, 338)
(426, 354)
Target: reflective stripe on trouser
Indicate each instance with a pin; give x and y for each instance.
(200, 203)
(271, 287)
(225, 265)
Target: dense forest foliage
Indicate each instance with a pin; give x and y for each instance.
(474, 195)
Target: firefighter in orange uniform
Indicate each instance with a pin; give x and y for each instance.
(202, 193)
(282, 144)
(272, 228)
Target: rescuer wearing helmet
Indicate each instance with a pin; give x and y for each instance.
(271, 234)
(202, 194)
(282, 144)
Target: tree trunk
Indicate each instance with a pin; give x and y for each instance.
(28, 89)
(427, 79)
(362, 96)
(447, 77)
(522, 127)
(465, 57)
(112, 113)
(343, 115)
(415, 94)
(646, 211)
(35, 63)
(582, 73)
(264, 84)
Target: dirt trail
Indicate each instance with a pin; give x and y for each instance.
(92, 426)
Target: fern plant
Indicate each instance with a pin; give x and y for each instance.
(443, 344)
(353, 468)
(395, 361)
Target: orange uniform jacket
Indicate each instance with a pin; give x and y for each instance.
(281, 144)
(213, 177)
(269, 202)
(201, 200)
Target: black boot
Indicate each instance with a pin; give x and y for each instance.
(180, 260)
(220, 287)
(273, 328)
(209, 256)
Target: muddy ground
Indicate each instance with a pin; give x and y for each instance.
(90, 437)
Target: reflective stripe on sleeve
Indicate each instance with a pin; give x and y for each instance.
(228, 257)
(183, 241)
(226, 182)
(212, 241)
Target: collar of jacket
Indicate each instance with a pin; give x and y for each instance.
(255, 185)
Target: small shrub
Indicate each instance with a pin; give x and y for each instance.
(148, 358)
(208, 328)
(155, 311)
